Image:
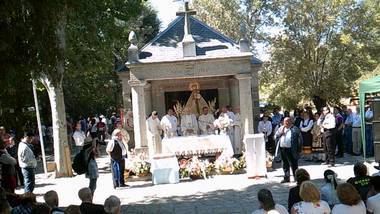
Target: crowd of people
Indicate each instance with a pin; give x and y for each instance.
(326, 135)
(27, 204)
(358, 195)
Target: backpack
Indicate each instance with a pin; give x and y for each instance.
(79, 164)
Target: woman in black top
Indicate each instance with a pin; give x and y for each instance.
(294, 193)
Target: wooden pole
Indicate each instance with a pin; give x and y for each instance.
(39, 127)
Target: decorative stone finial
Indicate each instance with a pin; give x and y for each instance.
(188, 42)
(133, 51)
(244, 43)
(132, 38)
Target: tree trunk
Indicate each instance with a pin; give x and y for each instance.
(62, 156)
(319, 102)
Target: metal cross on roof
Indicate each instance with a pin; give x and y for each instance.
(186, 12)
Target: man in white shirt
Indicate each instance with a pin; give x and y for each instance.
(373, 203)
(206, 122)
(27, 161)
(328, 123)
(368, 131)
(117, 153)
(356, 132)
(169, 124)
(265, 127)
(154, 134)
(290, 141)
(79, 136)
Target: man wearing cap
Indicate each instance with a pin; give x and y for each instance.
(117, 152)
(27, 161)
(154, 130)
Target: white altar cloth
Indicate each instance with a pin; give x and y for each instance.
(164, 169)
(255, 155)
(198, 145)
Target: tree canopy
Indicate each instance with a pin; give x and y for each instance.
(321, 49)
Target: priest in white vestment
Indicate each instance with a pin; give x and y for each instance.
(154, 131)
(189, 125)
(224, 123)
(169, 124)
(206, 122)
(231, 115)
(237, 133)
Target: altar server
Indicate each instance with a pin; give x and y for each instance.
(206, 122)
(154, 134)
(169, 124)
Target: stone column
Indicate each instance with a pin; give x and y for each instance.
(127, 101)
(255, 96)
(139, 117)
(148, 98)
(234, 92)
(158, 99)
(245, 97)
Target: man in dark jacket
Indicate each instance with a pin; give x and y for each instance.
(290, 141)
(87, 206)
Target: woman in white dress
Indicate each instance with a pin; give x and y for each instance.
(311, 201)
(350, 200)
(267, 204)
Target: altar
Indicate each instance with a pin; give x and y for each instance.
(198, 145)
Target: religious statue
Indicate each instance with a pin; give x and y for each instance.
(195, 103)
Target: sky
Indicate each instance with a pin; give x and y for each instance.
(167, 12)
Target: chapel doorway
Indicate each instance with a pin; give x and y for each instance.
(171, 98)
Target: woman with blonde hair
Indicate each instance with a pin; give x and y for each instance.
(350, 200)
(311, 201)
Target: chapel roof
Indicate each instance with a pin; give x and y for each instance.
(167, 46)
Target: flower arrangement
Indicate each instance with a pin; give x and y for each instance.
(195, 168)
(138, 165)
(227, 165)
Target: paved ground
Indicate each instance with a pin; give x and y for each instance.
(221, 194)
